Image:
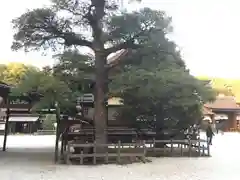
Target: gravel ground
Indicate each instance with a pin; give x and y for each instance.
(21, 163)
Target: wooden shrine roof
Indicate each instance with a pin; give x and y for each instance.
(4, 85)
(224, 103)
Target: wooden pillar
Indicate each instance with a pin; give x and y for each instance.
(56, 143)
(30, 128)
(234, 120)
(57, 132)
(6, 126)
(231, 120)
(62, 146)
(64, 129)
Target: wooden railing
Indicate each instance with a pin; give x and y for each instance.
(138, 150)
(171, 147)
(45, 132)
(115, 151)
(234, 130)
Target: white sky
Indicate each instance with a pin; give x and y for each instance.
(207, 31)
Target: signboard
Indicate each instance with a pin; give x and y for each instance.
(86, 98)
(19, 102)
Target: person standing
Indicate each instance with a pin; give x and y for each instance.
(210, 134)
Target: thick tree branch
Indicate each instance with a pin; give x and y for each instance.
(94, 16)
(71, 39)
(128, 44)
(42, 28)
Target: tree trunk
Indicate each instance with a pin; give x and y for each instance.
(160, 130)
(100, 113)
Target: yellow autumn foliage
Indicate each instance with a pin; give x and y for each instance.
(12, 73)
(225, 86)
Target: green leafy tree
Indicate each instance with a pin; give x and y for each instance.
(49, 121)
(157, 84)
(167, 92)
(46, 28)
(49, 90)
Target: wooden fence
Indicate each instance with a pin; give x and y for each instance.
(45, 132)
(234, 130)
(171, 147)
(115, 151)
(137, 150)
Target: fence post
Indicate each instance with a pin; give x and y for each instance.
(94, 153)
(199, 146)
(190, 147)
(171, 147)
(154, 145)
(118, 152)
(208, 149)
(68, 154)
(181, 149)
(144, 152)
(203, 150)
(81, 158)
(106, 157)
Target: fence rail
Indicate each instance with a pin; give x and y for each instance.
(234, 130)
(122, 150)
(199, 146)
(45, 132)
(136, 150)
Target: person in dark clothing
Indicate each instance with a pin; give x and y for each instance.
(210, 134)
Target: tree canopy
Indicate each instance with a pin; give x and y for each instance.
(151, 74)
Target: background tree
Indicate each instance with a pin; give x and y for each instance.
(14, 72)
(49, 121)
(2, 69)
(226, 86)
(75, 69)
(49, 89)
